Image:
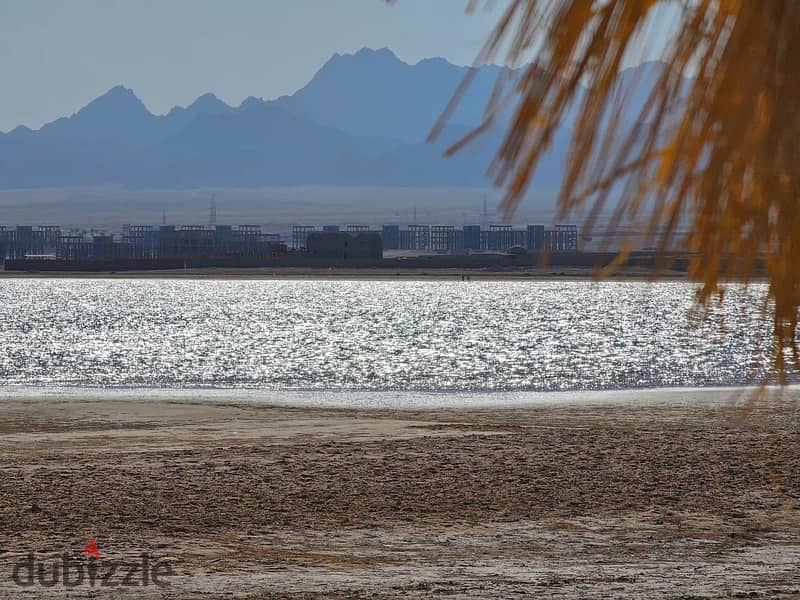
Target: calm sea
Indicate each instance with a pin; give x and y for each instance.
(359, 335)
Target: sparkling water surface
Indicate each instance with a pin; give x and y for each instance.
(432, 336)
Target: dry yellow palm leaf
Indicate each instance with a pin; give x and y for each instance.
(718, 152)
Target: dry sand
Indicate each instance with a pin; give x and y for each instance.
(604, 501)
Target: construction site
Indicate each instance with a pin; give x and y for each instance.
(145, 247)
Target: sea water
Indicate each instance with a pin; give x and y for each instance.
(332, 336)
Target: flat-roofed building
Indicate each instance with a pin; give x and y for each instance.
(535, 238)
(391, 237)
(344, 245)
(300, 234)
(472, 238)
(444, 239)
(501, 237)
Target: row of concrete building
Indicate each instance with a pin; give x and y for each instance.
(449, 239)
(139, 242)
(249, 241)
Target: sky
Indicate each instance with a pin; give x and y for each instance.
(57, 55)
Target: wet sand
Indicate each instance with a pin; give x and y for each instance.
(546, 273)
(255, 501)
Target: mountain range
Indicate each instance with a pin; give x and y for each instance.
(363, 119)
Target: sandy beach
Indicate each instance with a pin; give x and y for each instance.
(250, 501)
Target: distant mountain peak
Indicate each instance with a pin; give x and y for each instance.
(364, 55)
(118, 100)
(20, 131)
(120, 90)
(376, 52)
(251, 102)
(207, 98)
(208, 102)
(435, 60)
(120, 93)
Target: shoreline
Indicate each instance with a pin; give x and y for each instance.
(404, 400)
(530, 274)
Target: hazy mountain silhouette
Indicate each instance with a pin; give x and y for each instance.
(361, 120)
(257, 145)
(87, 148)
(374, 93)
(179, 117)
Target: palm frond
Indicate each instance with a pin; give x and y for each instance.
(719, 151)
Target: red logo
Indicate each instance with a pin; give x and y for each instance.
(91, 549)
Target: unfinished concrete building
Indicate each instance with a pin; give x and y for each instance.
(344, 245)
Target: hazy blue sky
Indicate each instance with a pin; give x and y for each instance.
(56, 55)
